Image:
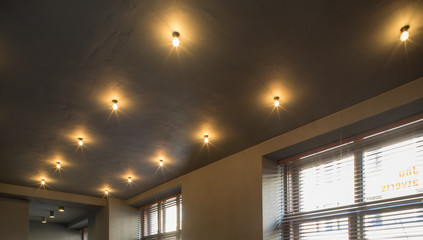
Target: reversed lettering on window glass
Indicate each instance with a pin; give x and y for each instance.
(406, 183)
(393, 170)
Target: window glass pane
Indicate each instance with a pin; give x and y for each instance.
(170, 219)
(394, 170)
(150, 221)
(407, 224)
(336, 229)
(153, 226)
(327, 185)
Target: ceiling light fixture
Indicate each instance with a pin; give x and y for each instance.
(206, 138)
(129, 179)
(43, 182)
(51, 214)
(161, 162)
(115, 106)
(106, 192)
(276, 103)
(80, 142)
(61, 209)
(404, 33)
(58, 166)
(43, 220)
(175, 40)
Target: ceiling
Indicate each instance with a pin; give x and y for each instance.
(62, 64)
(74, 216)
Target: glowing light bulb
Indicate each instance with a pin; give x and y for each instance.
(61, 209)
(80, 142)
(58, 166)
(175, 40)
(276, 103)
(404, 36)
(206, 138)
(43, 220)
(115, 106)
(43, 182)
(161, 163)
(129, 179)
(51, 214)
(106, 192)
(404, 33)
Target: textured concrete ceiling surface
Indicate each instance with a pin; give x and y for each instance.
(63, 62)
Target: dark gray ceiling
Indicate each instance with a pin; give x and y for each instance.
(62, 62)
(78, 213)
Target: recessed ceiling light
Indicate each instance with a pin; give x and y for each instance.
(58, 166)
(161, 162)
(206, 138)
(404, 33)
(129, 179)
(276, 103)
(80, 141)
(61, 209)
(51, 214)
(43, 220)
(175, 40)
(43, 182)
(115, 106)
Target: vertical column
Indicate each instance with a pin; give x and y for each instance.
(124, 220)
(98, 224)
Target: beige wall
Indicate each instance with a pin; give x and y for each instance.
(224, 200)
(14, 218)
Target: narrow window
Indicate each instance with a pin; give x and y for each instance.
(162, 219)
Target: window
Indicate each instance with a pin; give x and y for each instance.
(370, 187)
(84, 233)
(163, 219)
